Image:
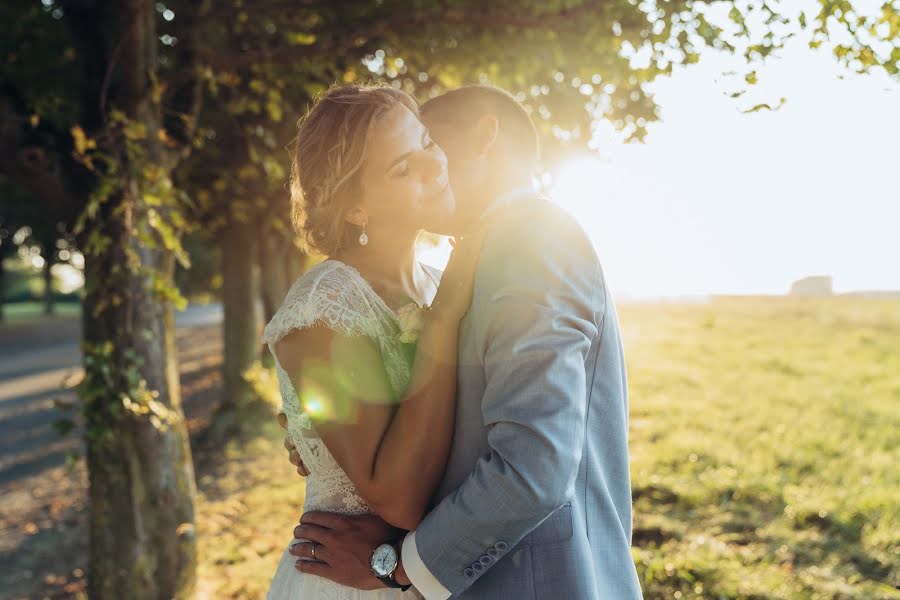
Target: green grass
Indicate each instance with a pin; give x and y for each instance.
(16, 312)
(764, 444)
(246, 515)
(249, 500)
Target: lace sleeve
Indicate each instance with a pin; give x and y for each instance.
(334, 295)
(321, 297)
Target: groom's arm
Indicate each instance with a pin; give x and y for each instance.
(537, 306)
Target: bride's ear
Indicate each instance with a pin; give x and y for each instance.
(356, 216)
(487, 130)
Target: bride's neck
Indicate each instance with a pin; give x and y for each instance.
(386, 265)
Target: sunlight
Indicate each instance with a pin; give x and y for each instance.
(577, 188)
(599, 196)
(68, 278)
(636, 229)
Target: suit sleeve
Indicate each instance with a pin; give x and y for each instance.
(537, 307)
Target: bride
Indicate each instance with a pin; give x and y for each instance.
(370, 413)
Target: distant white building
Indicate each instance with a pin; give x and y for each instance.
(817, 285)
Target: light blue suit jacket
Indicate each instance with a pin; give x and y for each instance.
(536, 500)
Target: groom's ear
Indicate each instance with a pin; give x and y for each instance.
(487, 130)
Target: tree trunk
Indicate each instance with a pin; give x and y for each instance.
(2, 283)
(280, 263)
(295, 263)
(273, 282)
(48, 279)
(239, 300)
(142, 544)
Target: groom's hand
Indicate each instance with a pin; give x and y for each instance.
(293, 455)
(343, 547)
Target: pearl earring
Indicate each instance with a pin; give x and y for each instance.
(363, 237)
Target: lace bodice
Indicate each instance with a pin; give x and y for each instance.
(335, 295)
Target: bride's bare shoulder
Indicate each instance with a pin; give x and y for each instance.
(323, 345)
(299, 345)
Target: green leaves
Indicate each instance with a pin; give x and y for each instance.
(765, 106)
(63, 426)
(301, 39)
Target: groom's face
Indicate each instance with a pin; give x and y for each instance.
(464, 165)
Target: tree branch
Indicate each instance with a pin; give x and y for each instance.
(405, 23)
(183, 99)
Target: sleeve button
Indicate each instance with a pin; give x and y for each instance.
(493, 553)
(486, 560)
(478, 567)
(501, 546)
(469, 572)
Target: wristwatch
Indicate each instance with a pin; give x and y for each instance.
(385, 560)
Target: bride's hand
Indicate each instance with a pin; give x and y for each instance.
(454, 294)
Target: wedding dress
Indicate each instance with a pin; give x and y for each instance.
(334, 295)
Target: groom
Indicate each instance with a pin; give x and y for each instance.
(536, 498)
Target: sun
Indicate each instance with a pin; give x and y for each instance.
(605, 199)
(577, 187)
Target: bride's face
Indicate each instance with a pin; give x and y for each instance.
(403, 180)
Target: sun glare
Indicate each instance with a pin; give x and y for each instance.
(577, 188)
(68, 278)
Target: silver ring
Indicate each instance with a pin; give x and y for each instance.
(315, 545)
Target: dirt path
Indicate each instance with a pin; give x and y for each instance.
(43, 518)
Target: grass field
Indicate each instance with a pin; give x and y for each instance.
(764, 444)
(765, 448)
(16, 312)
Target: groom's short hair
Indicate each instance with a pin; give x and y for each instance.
(463, 106)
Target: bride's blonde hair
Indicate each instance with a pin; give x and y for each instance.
(331, 144)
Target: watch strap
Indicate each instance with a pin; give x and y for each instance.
(392, 583)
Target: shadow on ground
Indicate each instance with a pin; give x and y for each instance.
(43, 505)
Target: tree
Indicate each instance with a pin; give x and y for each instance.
(111, 160)
(141, 476)
(99, 103)
(13, 214)
(36, 228)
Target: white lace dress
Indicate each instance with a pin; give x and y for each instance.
(335, 295)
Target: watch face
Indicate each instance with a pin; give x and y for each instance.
(384, 560)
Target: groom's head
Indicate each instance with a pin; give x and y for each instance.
(490, 142)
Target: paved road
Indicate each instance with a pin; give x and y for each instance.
(37, 358)
(43, 505)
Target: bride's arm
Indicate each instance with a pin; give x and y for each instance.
(394, 453)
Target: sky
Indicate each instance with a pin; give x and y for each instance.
(720, 202)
